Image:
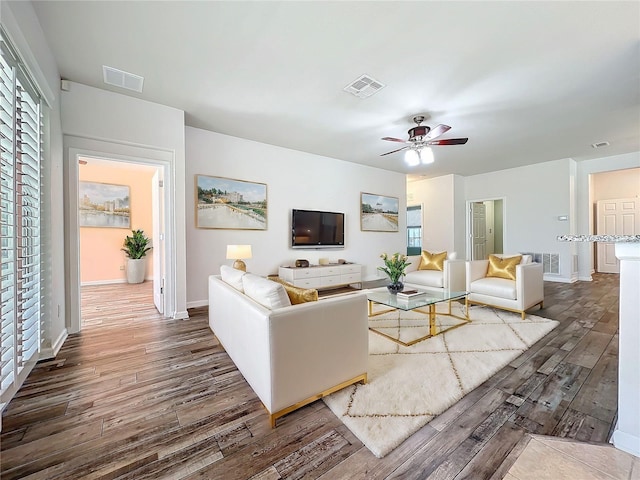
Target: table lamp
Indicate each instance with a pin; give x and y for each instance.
(238, 252)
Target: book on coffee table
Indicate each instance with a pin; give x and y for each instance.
(407, 294)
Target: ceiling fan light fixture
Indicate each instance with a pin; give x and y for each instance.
(412, 157)
(426, 155)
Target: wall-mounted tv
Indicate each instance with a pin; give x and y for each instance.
(317, 229)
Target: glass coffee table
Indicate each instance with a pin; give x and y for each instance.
(429, 299)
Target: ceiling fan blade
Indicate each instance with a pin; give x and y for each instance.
(394, 151)
(437, 131)
(449, 141)
(391, 139)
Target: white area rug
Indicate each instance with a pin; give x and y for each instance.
(409, 386)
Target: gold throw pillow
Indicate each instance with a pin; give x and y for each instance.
(503, 267)
(296, 294)
(432, 261)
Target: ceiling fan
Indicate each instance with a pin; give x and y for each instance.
(420, 139)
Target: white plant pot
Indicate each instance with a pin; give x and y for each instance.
(136, 269)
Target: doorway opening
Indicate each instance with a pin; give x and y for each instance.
(485, 220)
(162, 235)
(115, 198)
(615, 207)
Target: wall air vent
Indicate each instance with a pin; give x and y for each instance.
(364, 86)
(600, 144)
(122, 79)
(550, 261)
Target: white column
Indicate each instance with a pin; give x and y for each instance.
(627, 432)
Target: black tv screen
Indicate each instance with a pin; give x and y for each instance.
(316, 229)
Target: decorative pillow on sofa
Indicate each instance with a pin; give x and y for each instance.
(267, 293)
(297, 294)
(232, 276)
(432, 261)
(503, 267)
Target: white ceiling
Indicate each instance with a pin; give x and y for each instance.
(526, 82)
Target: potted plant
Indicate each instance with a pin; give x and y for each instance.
(136, 247)
(395, 266)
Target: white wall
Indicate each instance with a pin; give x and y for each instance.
(103, 121)
(24, 30)
(534, 197)
(294, 180)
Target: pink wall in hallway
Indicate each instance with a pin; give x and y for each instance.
(100, 254)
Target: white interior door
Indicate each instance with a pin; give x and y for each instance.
(478, 231)
(157, 209)
(620, 216)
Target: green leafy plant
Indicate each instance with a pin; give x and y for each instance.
(395, 265)
(136, 246)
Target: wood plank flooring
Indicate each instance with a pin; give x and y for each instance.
(137, 396)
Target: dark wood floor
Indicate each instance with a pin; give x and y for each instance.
(137, 396)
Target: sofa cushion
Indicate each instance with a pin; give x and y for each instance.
(432, 261)
(525, 257)
(494, 287)
(297, 294)
(503, 267)
(232, 276)
(267, 293)
(428, 278)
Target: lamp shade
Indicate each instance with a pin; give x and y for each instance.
(411, 157)
(426, 155)
(238, 251)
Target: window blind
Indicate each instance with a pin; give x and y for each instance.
(20, 157)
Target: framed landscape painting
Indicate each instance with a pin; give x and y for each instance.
(378, 213)
(104, 205)
(232, 204)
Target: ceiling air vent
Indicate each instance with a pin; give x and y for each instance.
(122, 79)
(600, 144)
(363, 87)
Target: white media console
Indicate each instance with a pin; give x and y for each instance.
(322, 276)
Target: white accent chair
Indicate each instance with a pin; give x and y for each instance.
(518, 295)
(450, 278)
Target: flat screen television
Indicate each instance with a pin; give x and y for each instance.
(317, 229)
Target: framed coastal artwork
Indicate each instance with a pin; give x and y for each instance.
(231, 204)
(104, 205)
(378, 213)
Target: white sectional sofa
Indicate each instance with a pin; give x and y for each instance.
(452, 277)
(293, 355)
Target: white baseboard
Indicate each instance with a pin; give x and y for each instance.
(103, 282)
(550, 278)
(181, 315)
(626, 442)
(108, 282)
(586, 279)
(52, 351)
(198, 303)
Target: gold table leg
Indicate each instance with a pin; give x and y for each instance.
(433, 328)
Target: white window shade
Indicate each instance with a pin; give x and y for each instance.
(20, 284)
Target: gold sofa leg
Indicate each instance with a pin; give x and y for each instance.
(274, 416)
